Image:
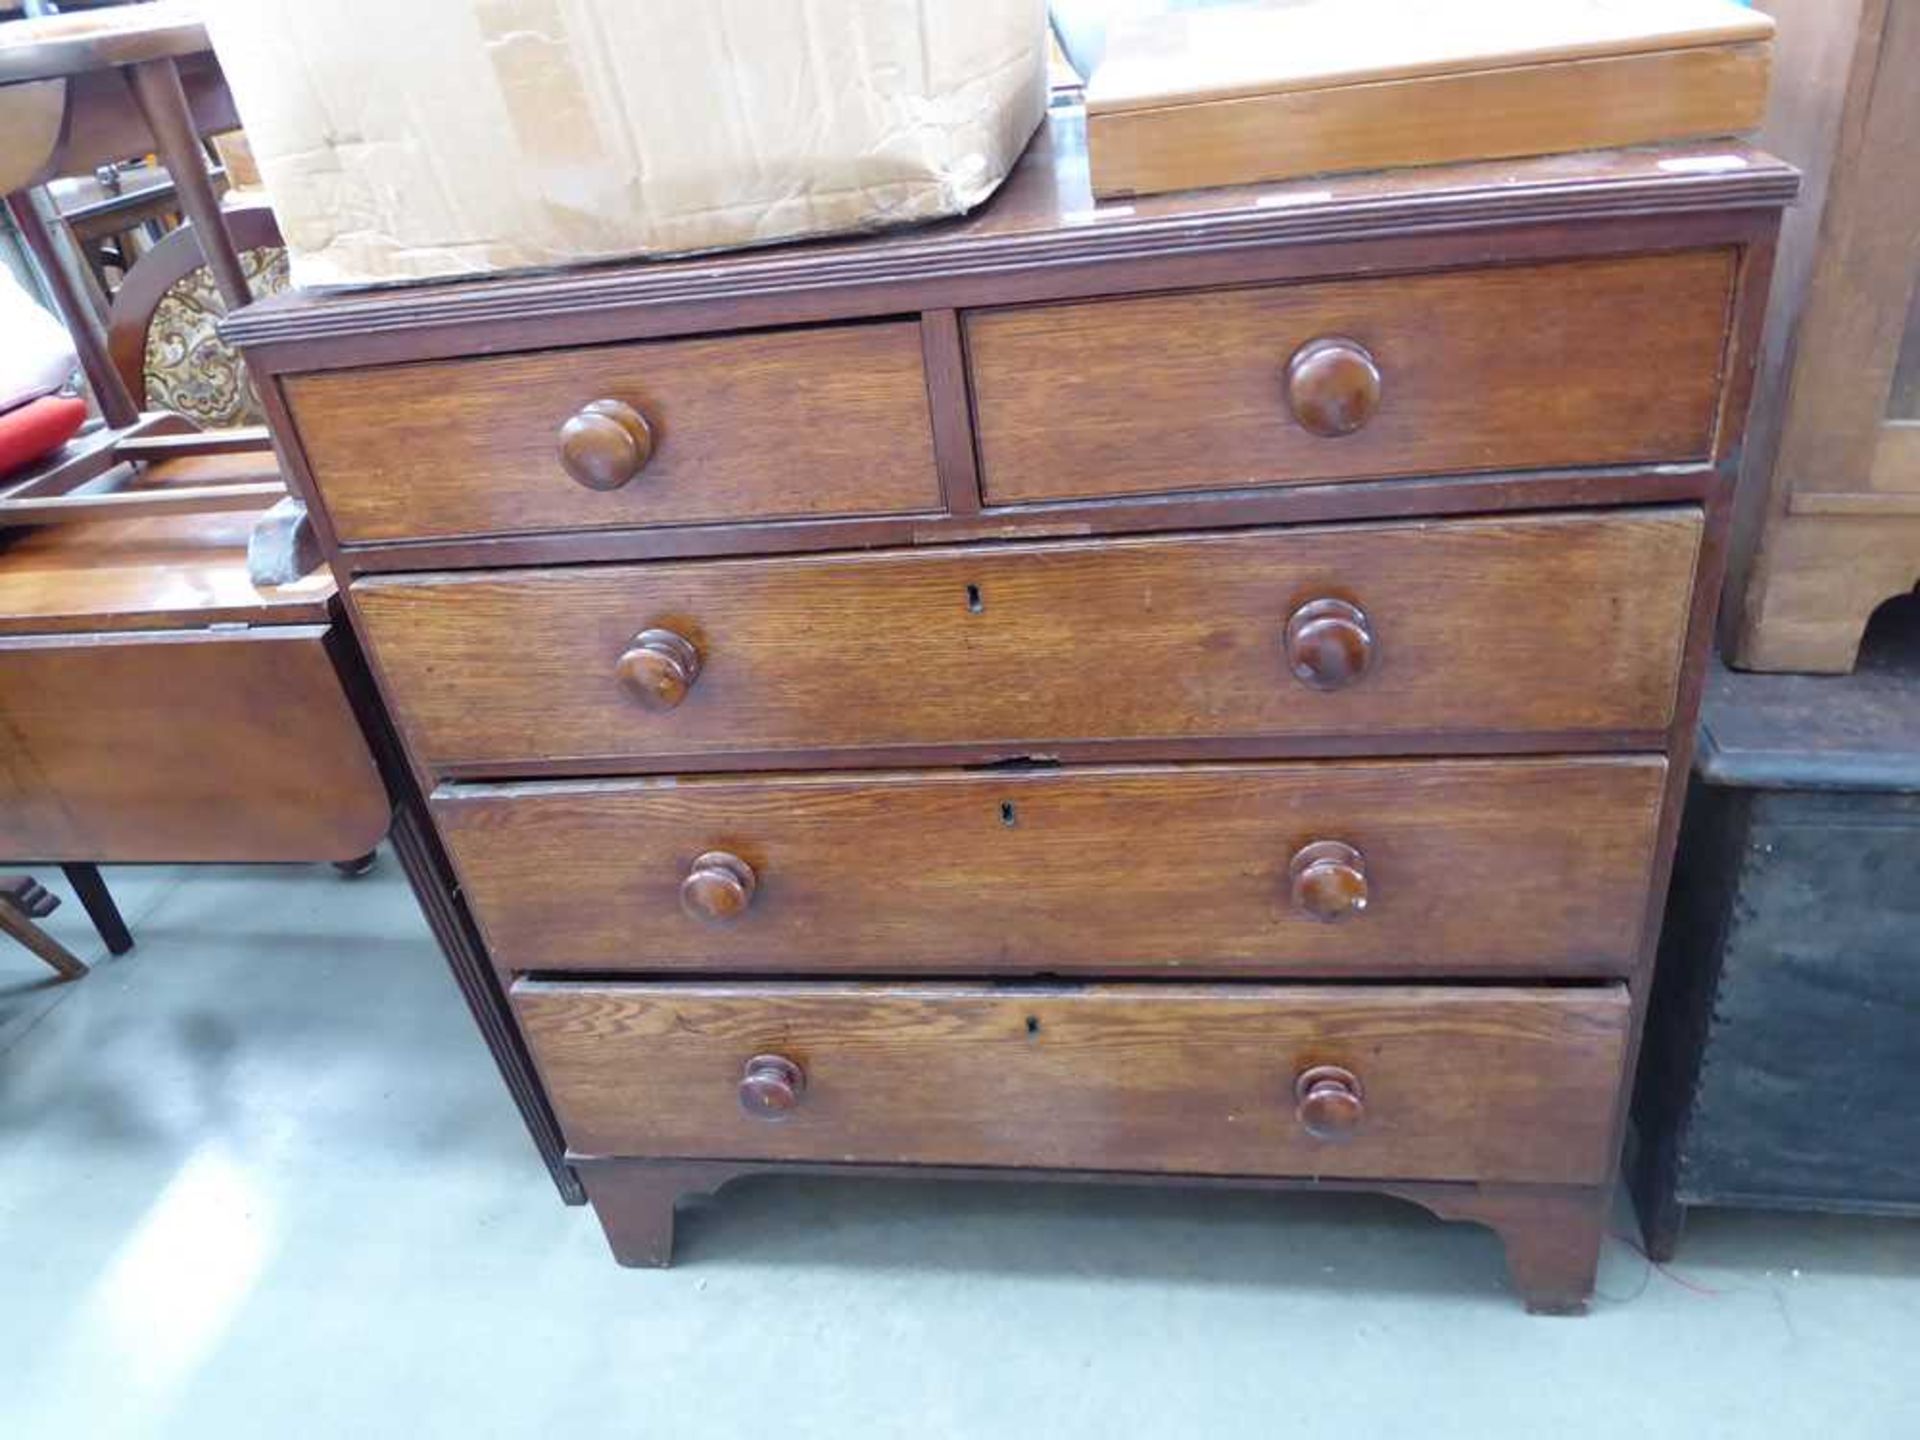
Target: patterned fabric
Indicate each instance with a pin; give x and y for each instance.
(189, 369)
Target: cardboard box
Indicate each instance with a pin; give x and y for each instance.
(1303, 87)
(450, 137)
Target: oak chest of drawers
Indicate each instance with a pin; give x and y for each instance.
(1191, 689)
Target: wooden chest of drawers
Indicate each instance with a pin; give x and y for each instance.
(1191, 689)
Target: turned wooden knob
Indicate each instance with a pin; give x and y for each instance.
(771, 1087)
(658, 668)
(718, 888)
(605, 444)
(1329, 880)
(1328, 1102)
(1333, 386)
(1329, 643)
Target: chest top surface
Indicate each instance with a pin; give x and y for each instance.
(1045, 217)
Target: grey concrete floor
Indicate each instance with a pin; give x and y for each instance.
(258, 1179)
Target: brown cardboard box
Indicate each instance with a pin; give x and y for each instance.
(448, 137)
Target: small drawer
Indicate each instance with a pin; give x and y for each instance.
(1595, 362)
(1378, 1082)
(1335, 869)
(796, 424)
(1409, 633)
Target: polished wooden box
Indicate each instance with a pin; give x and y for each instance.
(1269, 90)
(1194, 690)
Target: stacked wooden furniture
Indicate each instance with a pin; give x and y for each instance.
(1187, 690)
(1830, 528)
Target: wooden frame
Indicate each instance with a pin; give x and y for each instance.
(1830, 524)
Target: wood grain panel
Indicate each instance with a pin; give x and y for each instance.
(1596, 362)
(1516, 866)
(1557, 623)
(1599, 103)
(1458, 1083)
(154, 572)
(182, 746)
(788, 424)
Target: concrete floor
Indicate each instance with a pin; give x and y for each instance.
(258, 1179)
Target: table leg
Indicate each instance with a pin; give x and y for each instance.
(156, 85)
(97, 901)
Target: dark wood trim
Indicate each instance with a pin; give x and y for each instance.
(1747, 318)
(1354, 500)
(951, 411)
(1374, 745)
(1553, 1234)
(98, 902)
(1709, 577)
(427, 870)
(608, 321)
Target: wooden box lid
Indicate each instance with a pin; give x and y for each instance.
(1196, 56)
(1309, 87)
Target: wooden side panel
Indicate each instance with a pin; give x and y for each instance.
(1595, 362)
(1543, 624)
(1849, 335)
(1840, 528)
(788, 424)
(1516, 866)
(1457, 1084)
(1809, 1042)
(183, 746)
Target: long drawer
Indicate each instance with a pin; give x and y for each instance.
(1332, 869)
(1441, 1083)
(1414, 633)
(791, 424)
(1597, 362)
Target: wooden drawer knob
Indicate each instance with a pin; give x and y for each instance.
(1329, 880)
(605, 444)
(771, 1087)
(1328, 1102)
(1329, 643)
(718, 888)
(1333, 386)
(658, 668)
